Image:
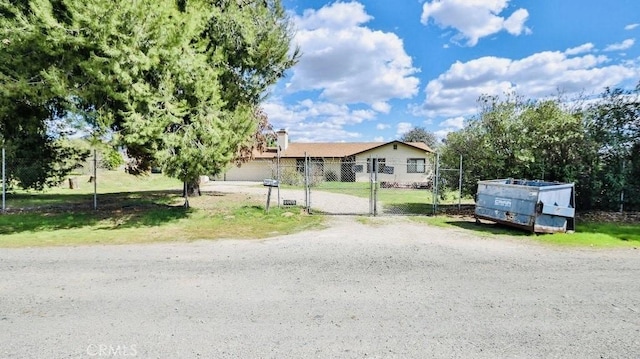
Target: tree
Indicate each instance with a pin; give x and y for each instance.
(31, 107)
(420, 134)
(614, 128)
(512, 137)
(178, 84)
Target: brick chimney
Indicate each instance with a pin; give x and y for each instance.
(283, 139)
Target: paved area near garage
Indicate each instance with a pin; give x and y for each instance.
(390, 288)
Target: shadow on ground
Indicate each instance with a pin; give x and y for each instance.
(48, 212)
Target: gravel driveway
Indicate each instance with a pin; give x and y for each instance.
(387, 289)
(326, 202)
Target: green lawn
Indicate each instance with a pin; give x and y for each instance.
(108, 182)
(139, 210)
(587, 234)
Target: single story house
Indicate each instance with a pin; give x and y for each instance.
(397, 161)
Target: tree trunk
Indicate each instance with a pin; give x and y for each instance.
(191, 189)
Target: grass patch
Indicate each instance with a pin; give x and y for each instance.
(109, 183)
(149, 215)
(393, 200)
(588, 234)
(150, 225)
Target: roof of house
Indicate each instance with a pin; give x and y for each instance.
(333, 149)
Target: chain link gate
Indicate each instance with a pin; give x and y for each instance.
(372, 186)
(338, 186)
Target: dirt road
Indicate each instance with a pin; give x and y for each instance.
(388, 289)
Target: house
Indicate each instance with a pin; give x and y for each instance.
(395, 161)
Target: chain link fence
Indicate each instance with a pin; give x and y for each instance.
(350, 185)
(360, 186)
(27, 186)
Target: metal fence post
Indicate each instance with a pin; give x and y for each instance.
(278, 173)
(4, 182)
(306, 183)
(95, 179)
(375, 186)
(371, 199)
(437, 184)
(460, 186)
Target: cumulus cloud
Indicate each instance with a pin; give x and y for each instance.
(584, 48)
(449, 125)
(628, 43)
(309, 121)
(348, 62)
(382, 126)
(455, 122)
(378, 139)
(403, 127)
(382, 107)
(474, 19)
(455, 92)
(631, 26)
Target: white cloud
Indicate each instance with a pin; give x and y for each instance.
(455, 92)
(631, 26)
(584, 48)
(350, 63)
(441, 134)
(621, 46)
(449, 125)
(454, 122)
(378, 139)
(382, 107)
(403, 127)
(309, 121)
(474, 19)
(382, 126)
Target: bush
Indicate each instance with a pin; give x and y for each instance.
(111, 159)
(292, 177)
(331, 176)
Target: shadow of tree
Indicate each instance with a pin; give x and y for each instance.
(115, 210)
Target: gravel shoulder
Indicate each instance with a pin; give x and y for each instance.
(388, 289)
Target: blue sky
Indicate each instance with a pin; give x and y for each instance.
(372, 70)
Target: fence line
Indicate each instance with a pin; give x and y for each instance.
(346, 185)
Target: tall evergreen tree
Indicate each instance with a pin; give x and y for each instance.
(177, 83)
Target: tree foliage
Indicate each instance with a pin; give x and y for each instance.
(178, 84)
(420, 134)
(596, 146)
(516, 138)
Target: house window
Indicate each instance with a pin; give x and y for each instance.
(416, 165)
(381, 162)
(300, 165)
(395, 146)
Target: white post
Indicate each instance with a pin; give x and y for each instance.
(460, 186)
(4, 183)
(95, 180)
(278, 174)
(437, 187)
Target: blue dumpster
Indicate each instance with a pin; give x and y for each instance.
(537, 206)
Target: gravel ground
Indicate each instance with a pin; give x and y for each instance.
(326, 202)
(387, 289)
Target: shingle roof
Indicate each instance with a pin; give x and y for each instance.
(333, 149)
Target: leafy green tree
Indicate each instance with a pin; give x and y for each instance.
(522, 139)
(178, 84)
(614, 127)
(420, 134)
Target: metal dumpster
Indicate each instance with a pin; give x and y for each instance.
(537, 206)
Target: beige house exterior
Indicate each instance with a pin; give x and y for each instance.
(397, 162)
